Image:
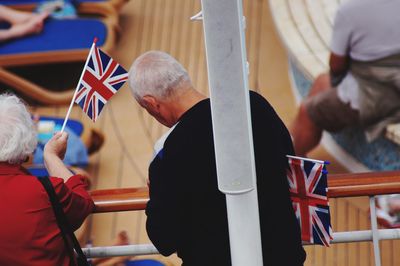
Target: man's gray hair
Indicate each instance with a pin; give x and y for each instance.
(157, 74)
(18, 137)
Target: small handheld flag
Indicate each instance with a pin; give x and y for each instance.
(308, 189)
(101, 78)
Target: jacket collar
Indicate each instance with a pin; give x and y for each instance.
(12, 169)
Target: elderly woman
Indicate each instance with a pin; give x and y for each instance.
(29, 234)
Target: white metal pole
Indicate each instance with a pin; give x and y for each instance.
(114, 251)
(375, 233)
(228, 81)
(147, 249)
(364, 235)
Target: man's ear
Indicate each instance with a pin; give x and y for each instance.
(150, 102)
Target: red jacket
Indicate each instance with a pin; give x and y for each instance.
(29, 234)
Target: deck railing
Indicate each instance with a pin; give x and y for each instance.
(339, 185)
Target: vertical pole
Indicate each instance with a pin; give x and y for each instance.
(375, 232)
(230, 107)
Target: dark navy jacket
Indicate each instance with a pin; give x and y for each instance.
(187, 213)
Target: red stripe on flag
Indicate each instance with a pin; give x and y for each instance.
(80, 92)
(94, 113)
(87, 101)
(118, 80)
(97, 86)
(109, 70)
(99, 62)
(317, 173)
(304, 209)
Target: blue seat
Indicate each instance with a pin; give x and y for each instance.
(27, 2)
(145, 262)
(100, 7)
(62, 41)
(39, 171)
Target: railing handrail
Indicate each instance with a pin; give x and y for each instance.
(363, 184)
(339, 185)
(122, 199)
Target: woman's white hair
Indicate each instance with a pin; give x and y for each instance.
(18, 137)
(157, 74)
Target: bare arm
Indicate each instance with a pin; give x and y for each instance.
(338, 66)
(11, 15)
(54, 152)
(22, 23)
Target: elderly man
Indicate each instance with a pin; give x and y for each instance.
(29, 234)
(186, 212)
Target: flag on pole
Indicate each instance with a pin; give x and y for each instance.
(102, 77)
(308, 189)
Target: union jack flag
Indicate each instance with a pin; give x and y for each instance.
(102, 77)
(308, 188)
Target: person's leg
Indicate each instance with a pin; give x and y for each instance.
(13, 16)
(320, 84)
(18, 17)
(305, 133)
(22, 23)
(33, 25)
(121, 239)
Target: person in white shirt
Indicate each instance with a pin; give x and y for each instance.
(362, 87)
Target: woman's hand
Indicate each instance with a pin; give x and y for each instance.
(53, 154)
(57, 145)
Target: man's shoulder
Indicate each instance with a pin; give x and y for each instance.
(194, 125)
(257, 97)
(261, 106)
(195, 118)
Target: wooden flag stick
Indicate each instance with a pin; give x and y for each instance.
(77, 86)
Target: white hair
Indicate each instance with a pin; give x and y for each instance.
(157, 74)
(18, 137)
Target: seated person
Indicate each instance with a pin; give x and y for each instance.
(29, 234)
(21, 23)
(363, 86)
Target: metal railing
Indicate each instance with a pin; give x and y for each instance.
(339, 186)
